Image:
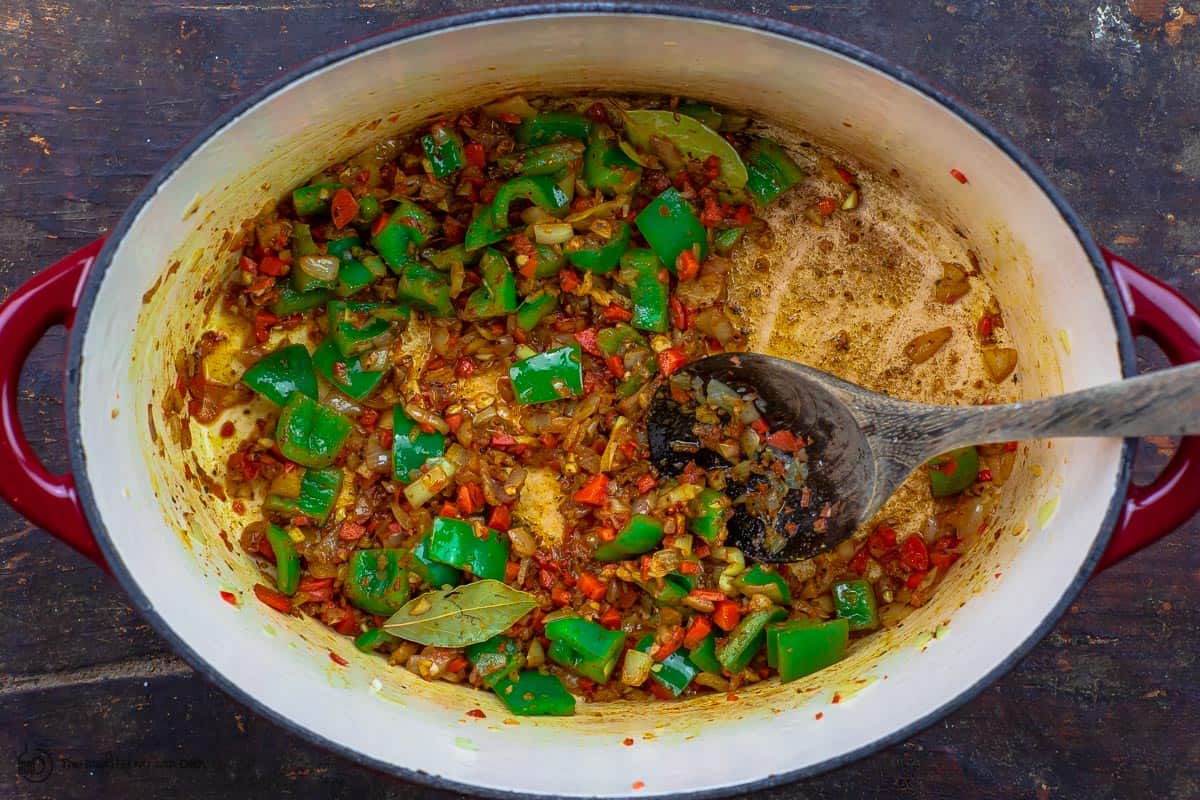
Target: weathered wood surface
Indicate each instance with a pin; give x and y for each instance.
(95, 95)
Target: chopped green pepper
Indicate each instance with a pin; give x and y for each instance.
(303, 245)
(951, 473)
(310, 434)
(552, 126)
(725, 240)
(447, 259)
(801, 647)
(277, 374)
(354, 276)
(550, 259)
(368, 210)
(292, 301)
(444, 149)
(319, 490)
(670, 226)
(671, 591)
(585, 647)
(640, 535)
(433, 573)
(759, 580)
(412, 449)
(453, 542)
(358, 327)
(534, 309)
(855, 603)
(346, 374)
(675, 672)
(314, 198)
(424, 289)
(545, 160)
(497, 295)
(606, 167)
(704, 655)
(642, 272)
(707, 514)
(371, 640)
(553, 375)
(541, 190)
(747, 639)
(375, 581)
(603, 258)
(535, 694)
(616, 340)
(703, 113)
(496, 659)
(771, 171)
(287, 560)
(408, 227)
(481, 232)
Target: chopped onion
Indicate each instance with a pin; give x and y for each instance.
(422, 416)
(535, 214)
(999, 362)
(636, 667)
(923, 347)
(437, 478)
(323, 268)
(614, 442)
(552, 232)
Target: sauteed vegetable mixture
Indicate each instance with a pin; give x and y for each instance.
(453, 341)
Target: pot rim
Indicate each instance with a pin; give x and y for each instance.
(804, 35)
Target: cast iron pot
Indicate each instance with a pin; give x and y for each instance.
(1072, 308)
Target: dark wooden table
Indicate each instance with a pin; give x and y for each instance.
(95, 95)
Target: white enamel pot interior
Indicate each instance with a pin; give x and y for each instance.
(162, 533)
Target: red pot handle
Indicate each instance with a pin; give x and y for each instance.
(1162, 314)
(48, 501)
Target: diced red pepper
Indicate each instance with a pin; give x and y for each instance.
(381, 222)
(616, 365)
(985, 326)
(502, 439)
(594, 492)
(958, 176)
(454, 421)
(561, 596)
(270, 265)
(858, 564)
(611, 619)
(942, 560)
(511, 570)
(607, 533)
(276, 600)
(248, 265)
(915, 580)
(760, 426)
(826, 206)
(846, 176)
(458, 664)
(984, 476)
(587, 340)
(477, 713)
(616, 313)
(263, 321)
(343, 208)
(671, 360)
(664, 650)
(913, 553)
(568, 279)
(476, 155)
(646, 483)
(229, 597)
(508, 118)
(317, 588)
(697, 631)
(351, 531)
(662, 693)
(500, 519)
(335, 658)
(785, 441)
(687, 266)
(727, 615)
(690, 568)
(743, 216)
(592, 587)
(679, 314)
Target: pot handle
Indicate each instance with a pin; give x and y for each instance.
(1153, 510)
(47, 500)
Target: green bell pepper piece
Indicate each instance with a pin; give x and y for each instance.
(319, 490)
(412, 449)
(703, 113)
(277, 374)
(775, 587)
(481, 232)
(725, 240)
(314, 198)
(408, 227)
(287, 560)
(433, 573)
(801, 647)
(444, 149)
(552, 126)
(342, 246)
(704, 655)
(549, 376)
(550, 259)
(310, 434)
(344, 373)
(497, 295)
(707, 514)
(675, 672)
(606, 167)
(453, 542)
(376, 582)
(534, 694)
(371, 640)
(770, 171)
(495, 659)
(747, 639)
(670, 226)
(445, 260)
(545, 160)
(541, 190)
(357, 327)
(855, 603)
(619, 338)
(424, 289)
(353, 277)
(638, 376)
(585, 647)
(303, 245)
(640, 535)
(604, 258)
(642, 272)
(294, 302)
(534, 309)
(668, 590)
(368, 210)
(949, 474)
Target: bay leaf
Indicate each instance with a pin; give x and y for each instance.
(691, 137)
(457, 616)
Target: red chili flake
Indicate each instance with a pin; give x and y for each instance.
(276, 600)
(858, 564)
(335, 658)
(464, 367)
(229, 597)
(1010, 447)
(587, 340)
(476, 156)
(985, 326)
(819, 715)
(687, 266)
(711, 216)
(640, 784)
(785, 441)
(508, 118)
(270, 265)
(607, 533)
(671, 360)
(228, 429)
(263, 321)
(837, 698)
(628, 742)
(913, 554)
(343, 208)
(568, 279)
(477, 713)
(615, 313)
(646, 483)
(248, 265)
(679, 314)
(826, 206)
(502, 439)
(731, 697)
(915, 580)
(958, 176)
(985, 475)
(239, 507)
(743, 216)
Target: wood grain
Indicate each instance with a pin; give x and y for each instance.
(95, 95)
